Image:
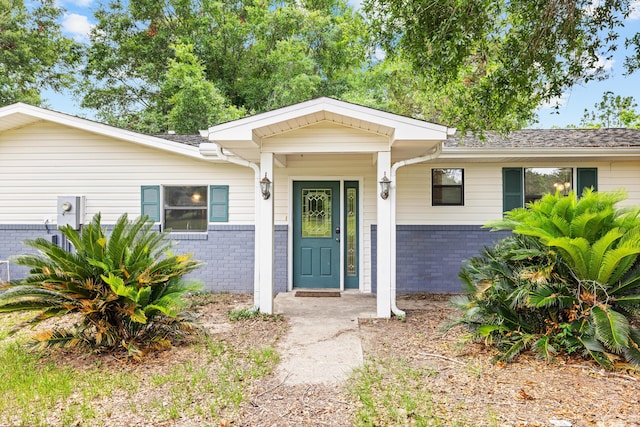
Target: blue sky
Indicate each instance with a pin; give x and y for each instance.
(78, 19)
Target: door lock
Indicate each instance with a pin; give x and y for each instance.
(337, 230)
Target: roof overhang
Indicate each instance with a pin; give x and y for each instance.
(19, 115)
(512, 154)
(406, 137)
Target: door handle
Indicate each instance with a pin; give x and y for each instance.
(337, 230)
(337, 239)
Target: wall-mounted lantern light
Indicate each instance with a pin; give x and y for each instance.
(385, 185)
(265, 187)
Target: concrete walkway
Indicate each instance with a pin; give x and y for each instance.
(323, 345)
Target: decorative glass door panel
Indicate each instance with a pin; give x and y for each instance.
(316, 234)
(351, 221)
(316, 213)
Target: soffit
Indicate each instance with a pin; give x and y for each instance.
(406, 137)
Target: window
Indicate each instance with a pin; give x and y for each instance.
(540, 181)
(524, 185)
(186, 208)
(447, 187)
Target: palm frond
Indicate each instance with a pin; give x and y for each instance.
(575, 252)
(632, 351)
(550, 296)
(612, 328)
(58, 338)
(516, 344)
(544, 349)
(31, 298)
(595, 350)
(598, 250)
(616, 262)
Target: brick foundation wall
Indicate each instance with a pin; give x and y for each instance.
(226, 250)
(429, 257)
(11, 238)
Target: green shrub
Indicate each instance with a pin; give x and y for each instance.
(127, 289)
(567, 280)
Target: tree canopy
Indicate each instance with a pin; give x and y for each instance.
(34, 55)
(258, 55)
(184, 65)
(498, 60)
(613, 111)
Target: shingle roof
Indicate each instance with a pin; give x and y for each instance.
(527, 138)
(532, 138)
(191, 139)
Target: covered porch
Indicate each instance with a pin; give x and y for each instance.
(318, 168)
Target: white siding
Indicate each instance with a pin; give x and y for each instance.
(483, 189)
(328, 167)
(621, 175)
(325, 137)
(482, 195)
(45, 160)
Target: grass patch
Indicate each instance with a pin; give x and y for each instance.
(249, 313)
(206, 382)
(215, 390)
(390, 392)
(31, 387)
(244, 314)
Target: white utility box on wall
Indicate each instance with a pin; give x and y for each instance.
(70, 211)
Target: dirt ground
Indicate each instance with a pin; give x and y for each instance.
(528, 392)
(465, 380)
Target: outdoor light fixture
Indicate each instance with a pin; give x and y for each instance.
(385, 184)
(562, 187)
(265, 187)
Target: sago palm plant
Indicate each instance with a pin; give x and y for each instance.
(568, 279)
(126, 287)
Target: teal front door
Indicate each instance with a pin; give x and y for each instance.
(316, 234)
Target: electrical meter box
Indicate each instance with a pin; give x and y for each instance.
(70, 211)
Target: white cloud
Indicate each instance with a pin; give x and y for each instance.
(80, 3)
(558, 101)
(604, 64)
(77, 25)
(634, 9)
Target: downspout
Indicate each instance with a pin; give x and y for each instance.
(256, 169)
(434, 154)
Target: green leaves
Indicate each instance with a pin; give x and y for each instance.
(569, 278)
(153, 65)
(613, 111)
(498, 60)
(196, 103)
(126, 287)
(612, 328)
(34, 54)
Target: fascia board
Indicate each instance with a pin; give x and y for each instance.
(548, 152)
(405, 127)
(100, 129)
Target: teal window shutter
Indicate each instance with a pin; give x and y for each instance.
(512, 188)
(587, 178)
(150, 202)
(219, 203)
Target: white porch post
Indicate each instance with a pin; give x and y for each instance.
(265, 222)
(384, 218)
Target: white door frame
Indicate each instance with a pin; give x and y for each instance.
(341, 180)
